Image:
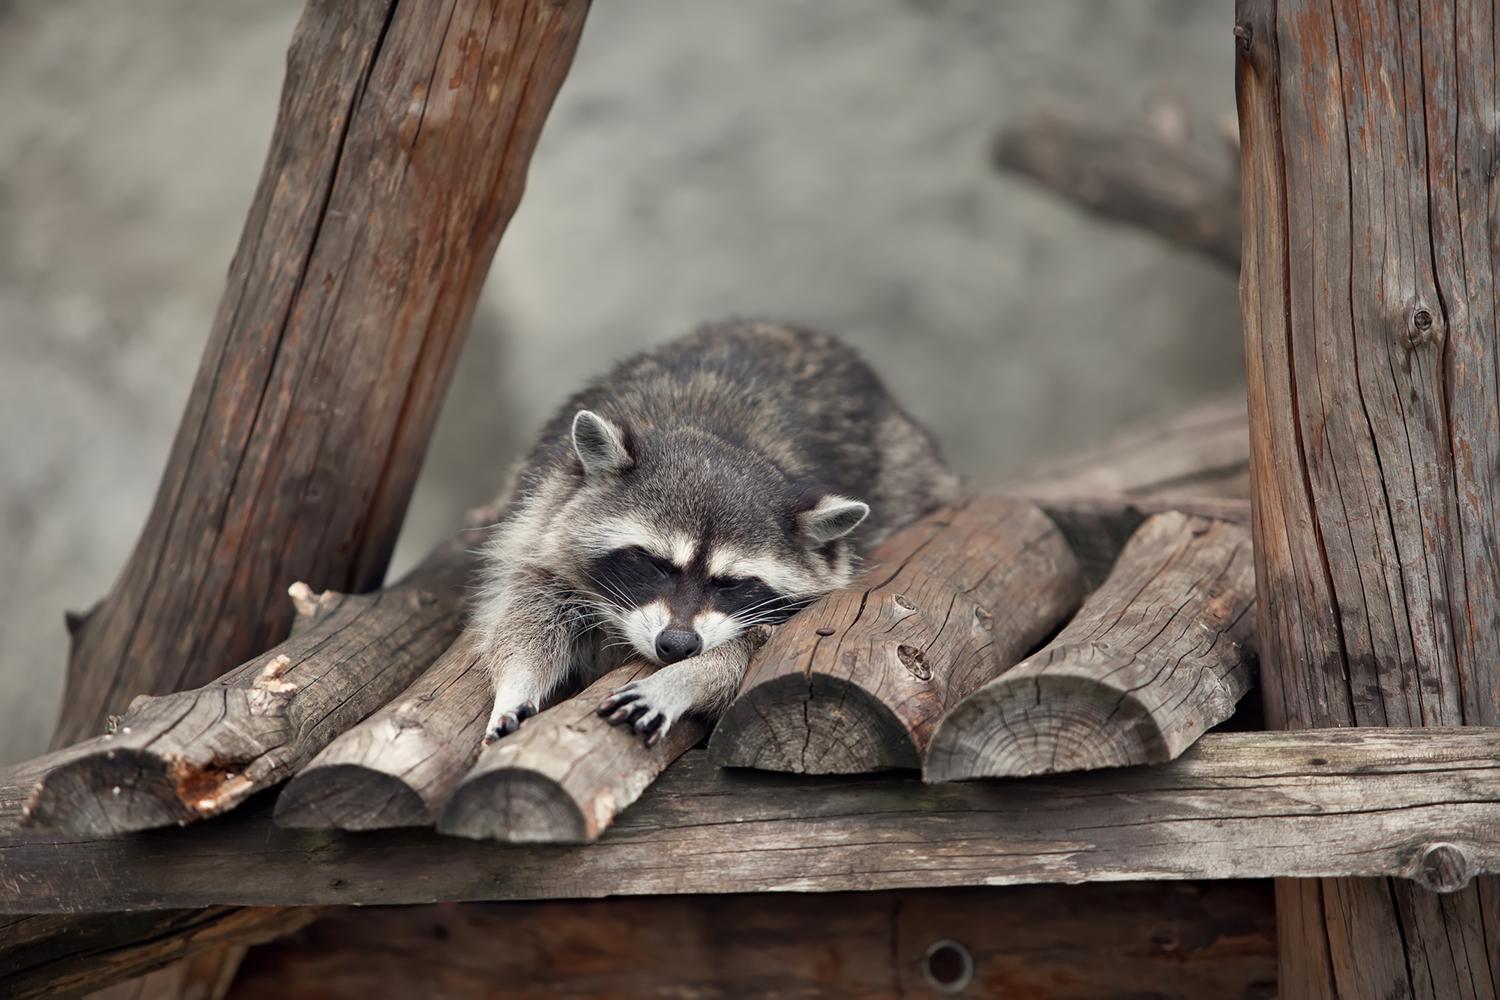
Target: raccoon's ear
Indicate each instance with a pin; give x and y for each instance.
(833, 517)
(599, 444)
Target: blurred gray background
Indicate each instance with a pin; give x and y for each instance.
(823, 161)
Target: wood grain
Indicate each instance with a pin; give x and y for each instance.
(178, 758)
(858, 681)
(1368, 293)
(1166, 184)
(399, 154)
(1237, 805)
(564, 776)
(1097, 527)
(1187, 941)
(1158, 655)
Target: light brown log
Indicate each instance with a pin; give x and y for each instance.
(1372, 343)
(1163, 183)
(1309, 804)
(55, 955)
(564, 776)
(858, 681)
(1189, 941)
(399, 154)
(397, 767)
(178, 758)
(1157, 655)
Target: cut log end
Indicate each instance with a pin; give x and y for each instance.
(349, 797)
(1044, 725)
(517, 807)
(817, 725)
(110, 792)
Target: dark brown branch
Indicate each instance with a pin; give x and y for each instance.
(858, 681)
(1156, 657)
(177, 758)
(1236, 805)
(565, 775)
(1166, 184)
(398, 157)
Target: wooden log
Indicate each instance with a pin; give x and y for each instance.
(1310, 804)
(204, 975)
(399, 154)
(1156, 657)
(1164, 183)
(1179, 942)
(858, 681)
(397, 767)
(1097, 527)
(178, 758)
(564, 776)
(70, 955)
(1372, 339)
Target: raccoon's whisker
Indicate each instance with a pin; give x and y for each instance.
(611, 589)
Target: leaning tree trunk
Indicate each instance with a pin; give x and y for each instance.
(1368, 292)
(399, 155)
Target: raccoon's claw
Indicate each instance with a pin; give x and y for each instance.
(505, 723)
(630, 706)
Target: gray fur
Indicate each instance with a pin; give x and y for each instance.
(742, 457)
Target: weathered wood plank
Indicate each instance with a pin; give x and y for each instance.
(1166, 184)
(1158, 655)
(1372, 337)
(1240, 805)
(564, 776)
(1188, 941)
(397, 767)
(178, 758)
(858, 681)
(399, 154)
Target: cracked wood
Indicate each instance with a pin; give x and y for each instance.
(1157, 655)
(858, 681)
(1237, 805)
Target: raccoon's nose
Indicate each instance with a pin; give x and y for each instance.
(673, 644)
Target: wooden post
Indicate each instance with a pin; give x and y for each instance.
(1156, 656)
(399, 155)
(1370, 317)
(858, 680)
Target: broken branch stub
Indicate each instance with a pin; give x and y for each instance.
(858, 681)
(1158, 655)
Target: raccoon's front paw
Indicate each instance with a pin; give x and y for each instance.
(503, 722)
(647, 707)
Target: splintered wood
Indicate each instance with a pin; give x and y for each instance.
(858, 681)
(1156, 656)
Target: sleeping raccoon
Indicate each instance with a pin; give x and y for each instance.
(716, 484)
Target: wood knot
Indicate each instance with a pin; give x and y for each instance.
(915, 661)
(1421, 327)
(984, 619)
(1443, 867)
(825, 631)
(1243, 36)
(903, 602)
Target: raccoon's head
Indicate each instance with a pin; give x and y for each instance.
(683, 539)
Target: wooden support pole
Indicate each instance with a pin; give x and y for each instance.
(397, 767)
(1163, 183)
(399, 154)
(858, 681)
(1422, 804)
(565, 775)
(178, 758)
(1371, 341)
(1156, 657)
(1188, 941)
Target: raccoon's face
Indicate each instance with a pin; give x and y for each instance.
(684, 542)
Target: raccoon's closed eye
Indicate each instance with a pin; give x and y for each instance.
(731, 584)
(639, 555)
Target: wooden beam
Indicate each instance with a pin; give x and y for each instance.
(1163, 183)
(399, 154)
(397, 767)
(564, 776)
(1156, 657)
(1180, 942)
(858, 681)
(178, 758)
(1372, 343)
(1420, 804)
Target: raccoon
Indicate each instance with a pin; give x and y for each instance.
(683, 502)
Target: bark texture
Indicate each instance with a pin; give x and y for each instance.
(1369, 298)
